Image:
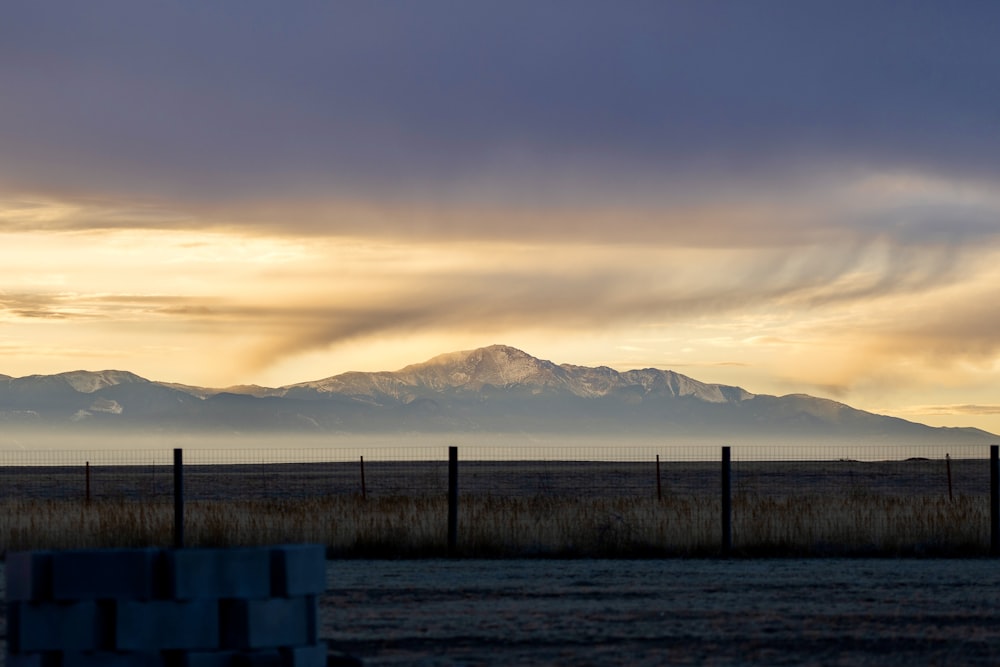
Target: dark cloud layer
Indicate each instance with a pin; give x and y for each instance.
(522, 101)
(817, 177)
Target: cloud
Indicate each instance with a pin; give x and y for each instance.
(310, 296)
(958, 409)
(586, 289)
(37, 306)
(44, 305)
(936, 338)
(964, 329)
(836, 315)
(805, 192)
(465, 103)
(67, 213)
(865, 214)
(838, 319)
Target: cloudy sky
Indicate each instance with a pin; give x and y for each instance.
(787, 196)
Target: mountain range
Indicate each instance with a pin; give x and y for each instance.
(496, 389)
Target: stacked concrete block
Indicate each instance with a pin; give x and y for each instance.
(211, 574)
(251, 624)
(169, 608)
(296, 570)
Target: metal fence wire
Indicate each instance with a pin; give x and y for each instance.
(655, 495)
(216, 474)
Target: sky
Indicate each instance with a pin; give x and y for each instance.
(792, 197)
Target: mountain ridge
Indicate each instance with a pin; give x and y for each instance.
(505, 366)
(491, 389)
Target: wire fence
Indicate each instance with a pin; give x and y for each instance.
(616, 500)
(232, 474)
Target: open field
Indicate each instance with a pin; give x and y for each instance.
(509, 527)
(511, 508)
(850, 612)
(517, 479)
(817, 611)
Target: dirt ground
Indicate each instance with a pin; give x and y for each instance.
(664, 612)
(677, 612)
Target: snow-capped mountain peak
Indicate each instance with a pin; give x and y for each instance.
(495, 389)
(87, 382)
(502, 366)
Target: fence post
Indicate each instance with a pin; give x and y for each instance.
(87, 468)
(995, 500)
(452, 499)
(727, 505)
(178, 498)
(659, 485)
(947, 465)
(364, 490)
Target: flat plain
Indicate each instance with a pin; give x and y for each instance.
(512, 508)
(446, 613)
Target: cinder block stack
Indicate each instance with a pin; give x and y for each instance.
(169, 608)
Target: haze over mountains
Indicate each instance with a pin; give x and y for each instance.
(497, 389)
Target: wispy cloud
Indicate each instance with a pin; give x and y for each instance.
(298, 302)
(958, 409)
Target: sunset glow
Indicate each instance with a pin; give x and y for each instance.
(309, 191)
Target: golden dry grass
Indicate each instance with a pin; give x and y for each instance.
(862, 524)
(616, 527)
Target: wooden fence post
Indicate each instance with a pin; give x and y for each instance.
(178, 498)
(659, 485)
(727, 505)
(87, 468)
(947, 465)
(364, 489)
(995, 500)
(452, 499)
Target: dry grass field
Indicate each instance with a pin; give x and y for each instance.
(511, 508)
(508, 527)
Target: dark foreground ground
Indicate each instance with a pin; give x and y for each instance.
(656, 612)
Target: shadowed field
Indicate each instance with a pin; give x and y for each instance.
(509, 509)
(540, 526)
(879, 612)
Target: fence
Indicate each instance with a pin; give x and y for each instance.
(511, 501)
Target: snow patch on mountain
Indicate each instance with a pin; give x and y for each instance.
(675, 384)
(87, 382)
(497, 365)
(495, 389)
(107, 406)
(353, 384)
(507, 367)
